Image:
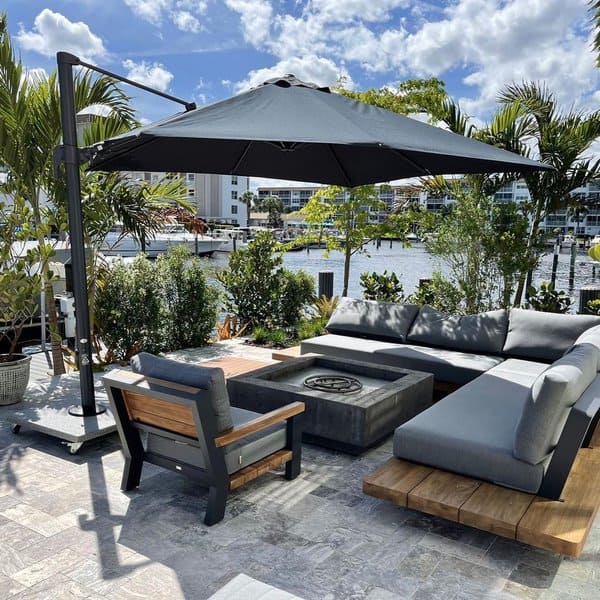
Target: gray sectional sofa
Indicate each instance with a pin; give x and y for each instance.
(529, 392)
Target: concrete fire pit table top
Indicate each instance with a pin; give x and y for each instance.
(351, 422)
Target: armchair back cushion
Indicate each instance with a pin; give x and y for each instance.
(484, 332)
(553, 394)
(385, 321)
(543, 336)
(592, 337)
(210, 379)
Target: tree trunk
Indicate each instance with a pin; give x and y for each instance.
(58, 364)
(347, 258)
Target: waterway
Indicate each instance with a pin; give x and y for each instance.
(413, 263)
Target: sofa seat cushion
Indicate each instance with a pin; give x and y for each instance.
(543, 336)
(483, 333)
(552, 395)
(446, 365)
(471, 431)
(206, 378)
(372, 319)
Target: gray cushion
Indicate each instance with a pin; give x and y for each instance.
(553, 394)
(483, 333)
(446, 365)
(543, 336)
(210, 379)
(471, 431)
(375, 320)
(590, 336)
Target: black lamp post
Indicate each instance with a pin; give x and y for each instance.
(72, 159)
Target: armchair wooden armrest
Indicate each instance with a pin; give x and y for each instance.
(275, 416)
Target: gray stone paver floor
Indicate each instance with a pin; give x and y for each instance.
(67, 531)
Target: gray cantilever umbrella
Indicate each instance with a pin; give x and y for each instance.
(288, 129)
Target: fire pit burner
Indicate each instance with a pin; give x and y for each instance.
(337, 384)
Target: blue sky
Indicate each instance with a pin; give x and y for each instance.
(206, 50)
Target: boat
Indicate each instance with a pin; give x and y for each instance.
(118, 243)
(231, 239)
(595, 240)
(568, 240)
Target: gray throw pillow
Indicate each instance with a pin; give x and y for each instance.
(553, 394)
(206, 378)
(543, 336)
(371, 319)
(484, 332)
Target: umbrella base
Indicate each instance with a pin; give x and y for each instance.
(46, 409)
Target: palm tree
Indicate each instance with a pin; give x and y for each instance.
(30, 129)
(559, 139)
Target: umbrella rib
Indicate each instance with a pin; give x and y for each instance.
(414, 163)
(238, 162)
(339, 164)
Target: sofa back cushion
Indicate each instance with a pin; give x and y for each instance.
(484, 333)
(543, 336)
(371, 319)
(210, 379)
(553, 394)
(592, 337)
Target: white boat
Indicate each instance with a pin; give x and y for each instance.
(170, 235)
(231, 239)
(568, 241)
(595, 240)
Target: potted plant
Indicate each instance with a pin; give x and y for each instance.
(20, 289)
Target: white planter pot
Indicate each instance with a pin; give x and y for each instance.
(14, 376)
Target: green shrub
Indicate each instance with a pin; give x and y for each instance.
(309, 328)
(594, 307)
(190, 303)
(154, 306)
(548, 299)
(440, 293)
(298, 290)
(259, 291)
(129, 310)
(325, 306)
(260, 335)
(385, 287)
(278, 337)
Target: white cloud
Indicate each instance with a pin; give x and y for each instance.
(255, 16)
(349, 10)
(154, 75)
(186, 21)
(183, 13)
(53, 32)
(311, 68)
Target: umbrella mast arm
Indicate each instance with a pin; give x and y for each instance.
(188, 105)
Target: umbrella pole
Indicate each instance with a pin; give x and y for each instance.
(71, 161)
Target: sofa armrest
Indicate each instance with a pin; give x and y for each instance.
(275, 416)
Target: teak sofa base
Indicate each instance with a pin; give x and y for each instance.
(560, 526)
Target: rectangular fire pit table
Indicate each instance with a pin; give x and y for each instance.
(351, 422)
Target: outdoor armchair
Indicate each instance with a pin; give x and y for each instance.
(193, 430)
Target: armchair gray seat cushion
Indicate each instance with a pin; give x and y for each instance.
(543, 336)
(446, 365)
(376, 320)
(238, 455)
(483, 333)
(210, 379)
(472, 430)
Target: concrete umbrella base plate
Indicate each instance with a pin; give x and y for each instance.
(45, 408)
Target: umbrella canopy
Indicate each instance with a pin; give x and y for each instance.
(287, 129)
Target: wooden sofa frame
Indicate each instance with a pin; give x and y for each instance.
(183, 436)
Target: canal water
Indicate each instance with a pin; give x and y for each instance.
(413, 263)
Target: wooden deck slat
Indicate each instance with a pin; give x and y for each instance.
(442, 494)
(258, 468)
(595, 441)
(394, 480)
(563, 526)
(286, 353)
(495, 509)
